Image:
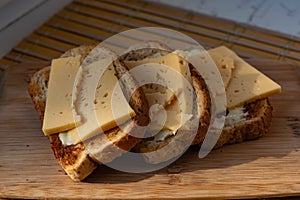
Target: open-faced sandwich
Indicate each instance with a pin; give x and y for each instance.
(84, 126)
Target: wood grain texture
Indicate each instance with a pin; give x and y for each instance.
(266, 167)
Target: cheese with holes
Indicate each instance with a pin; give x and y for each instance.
(164, 98)
(100, 102)
(206, 67)
(247, 84)
(169, 118)
(225, 65)
(176, 106)
(175, 118)
(58, 112)
(171, 60)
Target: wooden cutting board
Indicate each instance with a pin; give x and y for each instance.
(266, 167)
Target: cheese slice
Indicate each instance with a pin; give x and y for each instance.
(164, 98)
(58, 112)
(225, 65)
(107, 97)
(202, 62)
(247, 83)
(94, 103)
(169, 118)
(176, 106)
(175, 118)
(173, 61)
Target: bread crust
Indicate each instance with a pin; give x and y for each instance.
(203, 102)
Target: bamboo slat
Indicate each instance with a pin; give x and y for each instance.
(92, 21)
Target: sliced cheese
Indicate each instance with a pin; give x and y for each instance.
(176, 106)
(176, 119)
(157, 119)
(171, 60)
(170, 79)
(202, 62)
(247, 83)
(169, 118)
(225, 65)
(164, 98)
(104, 101)
(58, 112)
(94, 103)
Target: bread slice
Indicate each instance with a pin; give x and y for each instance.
(151, 49)
(247, 122)
(81, 159)
(176, 143)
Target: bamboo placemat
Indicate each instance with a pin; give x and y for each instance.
(91, 21)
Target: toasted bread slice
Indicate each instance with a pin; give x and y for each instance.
(152, 49)
(247, 122)
(178, 142)
(81, 159)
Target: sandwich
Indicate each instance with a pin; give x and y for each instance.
(80, 145)
(248, 109)
(75, 157)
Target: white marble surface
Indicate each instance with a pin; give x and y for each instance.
(277, 15)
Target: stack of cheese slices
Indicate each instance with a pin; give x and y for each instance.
(88, 108)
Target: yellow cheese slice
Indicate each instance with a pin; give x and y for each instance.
(164, 98)
(171, 60)
(169, 118)
(225, 65)
(94, 103)
(247, 83)
(104, 101)
(175, 118)
(176, 106)
(58, 112)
